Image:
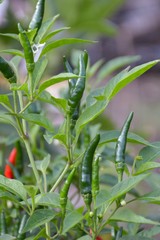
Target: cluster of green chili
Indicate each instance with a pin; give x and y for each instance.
(121, 147)
(89, 182)
(7, 71)
(76, 86)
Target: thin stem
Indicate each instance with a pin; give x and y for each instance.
(60, 178)
(21, 107)
(25, 107)
(30, 155)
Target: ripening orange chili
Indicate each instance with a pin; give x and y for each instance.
(12, 159)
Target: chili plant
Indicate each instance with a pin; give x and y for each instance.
(68, 182)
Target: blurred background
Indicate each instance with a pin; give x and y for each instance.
(121, 28)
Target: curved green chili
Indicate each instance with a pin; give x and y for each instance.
(7, 71)
(86, 171)
(37, 18)
(28, 53)
(121, 146)
(95, 175)
(64, 192)
(78, 89)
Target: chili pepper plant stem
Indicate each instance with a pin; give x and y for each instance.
(31, 158)
(60, 178)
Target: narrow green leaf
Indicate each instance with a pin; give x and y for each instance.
(152, 197)
(135, 237)
(115, 64)
(38, 119)
(118, 190)
(59, 103)
(126, 215)
(56, 79)
(51, 34)
(8, 196)
(13, 52)
(50, 199)
(62, 42)
(86, 237)
(12, 35)
(112, 136)
(7, 237)
(38, 218)
(147, 166)
(89, 114)
(71, 220)
(44, 28)
(42, 165)
(39, 69)
(101, 97)
(150, 232)
(13, 186)
(4, 100)
(149, 153)
(126, 77)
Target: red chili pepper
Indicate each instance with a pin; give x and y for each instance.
(99, 238)
(12, 159)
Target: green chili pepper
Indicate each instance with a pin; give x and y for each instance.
(78, 89)
(121, 146)
(86, 171)
(95, 175)
(28, 53)
(64, 192)
(20, 235)
(3, 226)
(7, 71)
(38, 15)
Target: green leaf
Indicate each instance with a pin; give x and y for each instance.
(12, 35)
(13, 52)
(86, 237)
(38, 218)
(8, 196)
(50, 35)
(135, 237)
(125, 77)
(71, 220)
(102, 96)
(38, 119)
(62, 42)
(126, 215)
(6, 237)
(149, 232)
(115, 64)
(118, 190)
(56, 79)
(89, 114)
(42, 165)
(30, 34)
(94, 68)
(50, 199)
(149, 153)
(112, 136)
(44, 28)
(39, 69)
(4, 101)
(152, 197)
(59, 103)
(13, 186)
(147, 166)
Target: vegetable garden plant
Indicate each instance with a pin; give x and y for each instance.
(38, 186)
